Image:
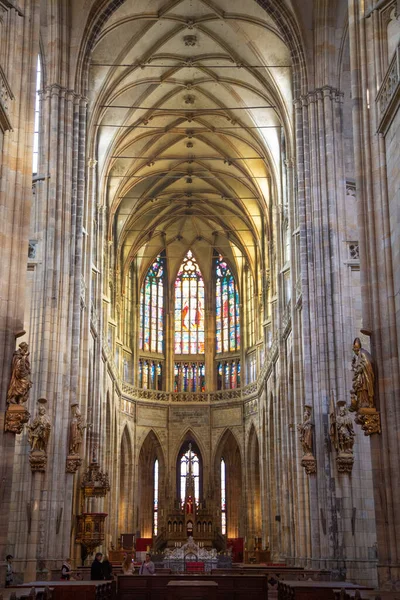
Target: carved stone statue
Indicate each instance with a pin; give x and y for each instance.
(363, 377)
(38, 437)
(76, 430)
(345, 429)
(20, 382)
(39, 429)
(305, 429)
(363, 391)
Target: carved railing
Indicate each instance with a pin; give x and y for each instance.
(389, 89)
(247, 393)
(6, 96)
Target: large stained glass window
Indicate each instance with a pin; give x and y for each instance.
(189, 308)
(227, 309)
(151, 336)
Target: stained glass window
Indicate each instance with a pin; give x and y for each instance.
(190, 460)
(227, 309)
(223, 497)
(155, 507)
(150, 374)
(189, 308)
(151, 335)
(228, 374)
(189, 377)
(250, 308)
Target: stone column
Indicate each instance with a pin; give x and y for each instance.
(376, 174)
(320, 183)
(19, 48)
(56, 319)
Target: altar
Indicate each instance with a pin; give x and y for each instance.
(190, 558)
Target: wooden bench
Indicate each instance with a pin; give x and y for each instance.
(79, 590)
(313, 590)
(276, 574)
(154, 587)
(192, 590)
(343, 594)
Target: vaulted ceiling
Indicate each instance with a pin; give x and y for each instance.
(189, 103)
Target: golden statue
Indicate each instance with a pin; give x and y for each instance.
(39, 429)
(20, 382)
(363, 378)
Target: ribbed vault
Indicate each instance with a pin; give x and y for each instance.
(190, 106)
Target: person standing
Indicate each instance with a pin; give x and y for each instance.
(96, 571)
(66, 569)
(107, 569)
(127, 565)
(147, 567)
(9, 572)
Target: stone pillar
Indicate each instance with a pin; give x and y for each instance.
(55, 323)
(379, 248)
(19, 46)
(322, 226)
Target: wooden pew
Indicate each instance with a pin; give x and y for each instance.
(230, 587)
(313, 590)
(78, 590)
(343, 594)
(276, 574)
(195, 590)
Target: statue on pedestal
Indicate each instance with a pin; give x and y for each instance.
(363, 390)
(18, 390)
(342, 436)
(76, 430)
(306, 439)
(38, 438)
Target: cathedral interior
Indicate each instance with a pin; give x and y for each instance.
(200, 283)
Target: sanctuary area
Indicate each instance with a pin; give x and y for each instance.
(199, 299)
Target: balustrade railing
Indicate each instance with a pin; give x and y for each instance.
(389, 89)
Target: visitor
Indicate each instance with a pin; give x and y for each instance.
(147, 567)
(66, 569)
(127, 565)
(9, 572)
(96, 571)
(107, 569)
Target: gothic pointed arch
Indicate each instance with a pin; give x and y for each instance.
(126, 500)
(189, 444)
(229, 453)
(150, 452)
(253, 485)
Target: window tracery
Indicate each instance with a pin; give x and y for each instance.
(189, 308)
(227, 309)
(151, 335)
